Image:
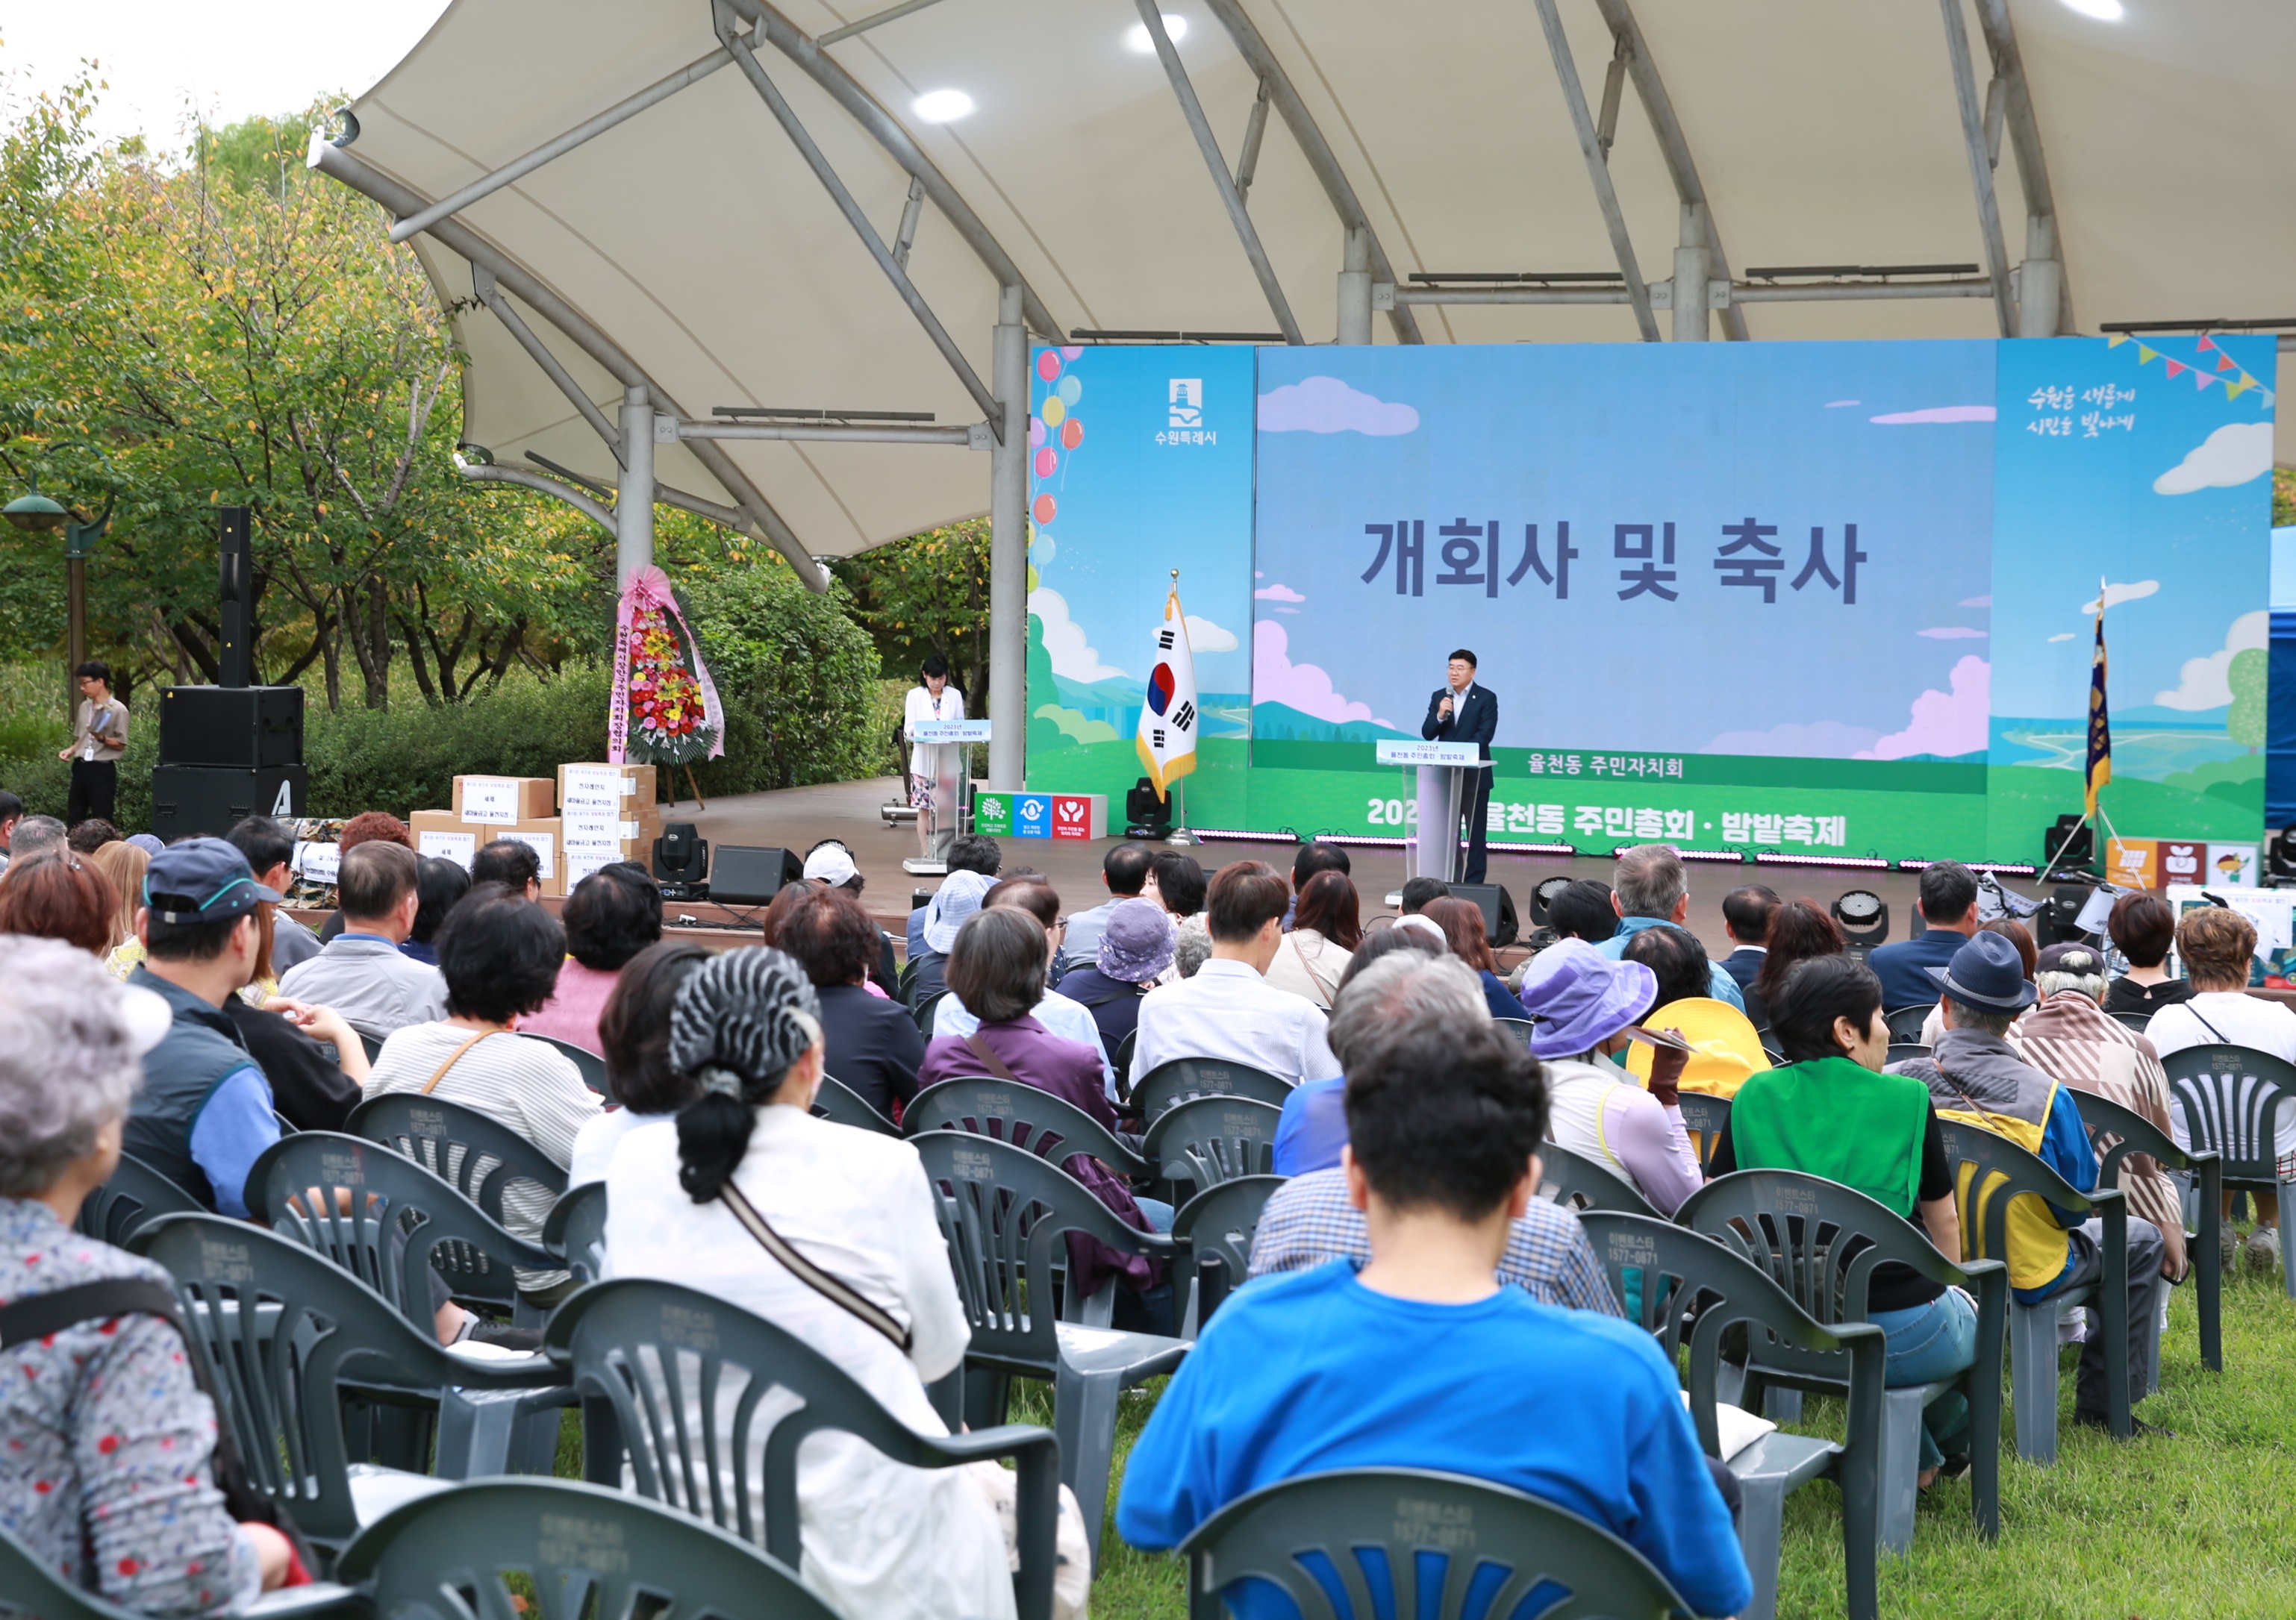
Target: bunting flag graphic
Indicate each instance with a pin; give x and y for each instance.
(1166, 736)
(2100, 719)
(2228, 370)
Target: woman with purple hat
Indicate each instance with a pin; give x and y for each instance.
(1135, 946)
(1581, 1004)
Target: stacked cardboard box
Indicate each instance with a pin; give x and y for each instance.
(523, 808)
(608, 814)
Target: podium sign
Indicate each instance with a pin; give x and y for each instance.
(944, 744)
(949, 730)
(1396, 752)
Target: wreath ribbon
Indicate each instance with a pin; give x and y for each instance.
(648, 590)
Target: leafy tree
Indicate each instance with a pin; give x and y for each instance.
(928, 593)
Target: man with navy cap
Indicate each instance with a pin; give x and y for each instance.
(204, 1114)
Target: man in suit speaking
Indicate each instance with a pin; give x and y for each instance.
(1464, 712)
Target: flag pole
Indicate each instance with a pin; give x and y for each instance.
(1181, 838)
(2093, 812)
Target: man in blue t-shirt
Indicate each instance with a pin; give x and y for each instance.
(1418, 1358)
(1948, 906)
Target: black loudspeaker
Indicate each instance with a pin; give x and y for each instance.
(745, 876)
(1499, 924)
(248, 727)
(189, 801)
(234, 648)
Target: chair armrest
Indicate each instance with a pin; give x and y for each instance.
(1037, 1458)
(309, 1601)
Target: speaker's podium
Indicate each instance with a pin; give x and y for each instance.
(946, 746)
(1447, 784)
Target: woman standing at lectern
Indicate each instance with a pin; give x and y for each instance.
(931, 699)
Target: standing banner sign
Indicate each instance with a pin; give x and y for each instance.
(1166, 736)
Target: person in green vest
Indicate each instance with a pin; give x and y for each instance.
(1830, 1111)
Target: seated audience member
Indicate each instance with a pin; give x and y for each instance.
(1315, 856)
(831, 864)
(1419, 893)
(313, 1059)
(1800, 931)
(499, 955)
(1725, 1048)
(2218, 946)
(1325, 928)
(1136, 945)
(874, 1049)
(1653, 891)
(1832, 1112)
(2068, 1037)
(1229, 1011)
(1975, 1078)
(970, 853)
(107, 1444)
(1462, 922)
(634, 1033)
(270, 851)
(959, 895)
(360, 972)
(1191, 948)
(1746, 919)
(999, 966)
(1314, 1124)
(368, 827)
(123, 866)
(2028, 959)
(439, 886)
(205, 1112)
(59, 894)
(1582, 910)
(86, 838)
(1063, 1016)
(612, 914)
(513, 862)
(1178, 883)
(35, 833)
(1948, 906)
(880, 1540)
(1581, 1004)
(2142, 928)
(1125, 870)
(1422, 1358)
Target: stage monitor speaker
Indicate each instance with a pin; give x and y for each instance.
(1499, 924)
(193, 801)
(747, 876)
(247, 727)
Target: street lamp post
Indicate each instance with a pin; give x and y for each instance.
(36, 513)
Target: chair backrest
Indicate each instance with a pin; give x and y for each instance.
(1361, 1543)
(841, 1104)
(136, 1194)
(1121, 1061)
(923, 1012)
(1185, 1077)
(553, 1550)
(282, 1327)
(1991, 1173)
(1900, 1050)
(2133, 1134)
(1002, 1211)
(1576, 1181)
(586, 1063)
(386, 1221)
(690, 1380)
(1209, 1139)
(1704, 1114)
(1520, 1028)
(1026, 1115)
(1668, 1278)
(2132, 1020)
(372, 1045)
(575, 1231)
(28, 1587)
(1905, 1022)
(2230, 1096)
(479, 1155)
(1222, 1220)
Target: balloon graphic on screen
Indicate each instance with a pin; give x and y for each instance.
(1044, 509)
(1160, 686)
(1055, 410)
(1036, 432)
(1048, 365)
(1047, 459)
(1072, 388)
(1071, 434)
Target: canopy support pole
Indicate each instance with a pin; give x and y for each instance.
(1981, 164)
(634, 497)
(479, 472)
(482, 281)
(1008, 553)
(1598, 168)
(1355, 290)
(1690, 278)
(2044, 308)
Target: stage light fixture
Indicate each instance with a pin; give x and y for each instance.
(942, 106)
(2103, 11)
(2068, 844)
(1136, 40)
(1865, 918)
(1771, 857)
(1542, 894)
(681, 862)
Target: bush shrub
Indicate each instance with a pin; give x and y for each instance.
(797, 677)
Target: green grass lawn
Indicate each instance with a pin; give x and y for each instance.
(2196, 1525)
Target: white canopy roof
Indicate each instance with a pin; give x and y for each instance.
(693, 246)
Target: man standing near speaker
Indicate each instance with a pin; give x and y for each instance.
(1461, 711)
(99, 738)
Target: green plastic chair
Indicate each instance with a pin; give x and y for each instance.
(288, 1334)
(1682, 1285)
(841, 1104)
(1421, 1545)
(1705, 1117)
(1180, 1079)
(1905, 1022)
(135, 1195)
(1216, 1227)
(1820, 1242)
(371, 1045)
(576, 1231)
(588, 1064)
(2132, 1020)
(659, 1366)
(2230, 1098)
(2135, 1134)
(1905, 1052)
(1206, 1141)
(1121, 1061)
(28, 1587)
(1026, 1115)
(1520, 1028)
(924, 1013)
(1577, 1183)
(476, 1154)
(391, 1223)
(1005, 1213)
(1990, 1173)
(553, 1550)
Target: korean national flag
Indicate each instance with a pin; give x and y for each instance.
(1167, 740)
